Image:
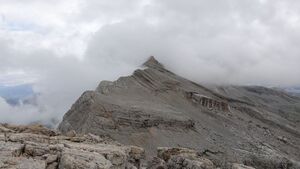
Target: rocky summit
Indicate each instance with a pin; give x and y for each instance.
(153, 107)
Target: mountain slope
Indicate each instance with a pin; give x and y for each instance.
(155, 107)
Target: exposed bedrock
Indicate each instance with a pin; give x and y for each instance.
(37, 148)
(207, 102)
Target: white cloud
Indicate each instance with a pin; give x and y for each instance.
(23, 114)
(46, 25)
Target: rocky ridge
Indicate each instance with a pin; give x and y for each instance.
(227, 124)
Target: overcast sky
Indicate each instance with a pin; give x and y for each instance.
(65, 47)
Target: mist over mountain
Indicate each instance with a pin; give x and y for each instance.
(150, 84)
(63, 48)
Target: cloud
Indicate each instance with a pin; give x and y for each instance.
(58, 82)
(249, 42)
(22, 114)
(66, 47)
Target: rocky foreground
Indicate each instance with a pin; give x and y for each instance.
(36, 147)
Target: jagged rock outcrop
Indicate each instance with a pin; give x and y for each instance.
(155, 107)
(36, 147)
(207, 102)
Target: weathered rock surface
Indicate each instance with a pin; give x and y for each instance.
(184, 158)
(177, 158)
(32, 147)
(155, 108)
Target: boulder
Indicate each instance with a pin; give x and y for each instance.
(241, 166)
(156, 163)
(71, 159)
(177, 158)
(179, 162)
(166, 153)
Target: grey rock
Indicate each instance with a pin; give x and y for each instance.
(53, 165)
(178, 158)
(179, 162)
(157, 163)
(241, 166)
(38, 151)
(81, 159)
(71, 133)
(166, 153)
(270, 162)
(51, 159)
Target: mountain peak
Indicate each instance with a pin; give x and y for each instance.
(153, 63)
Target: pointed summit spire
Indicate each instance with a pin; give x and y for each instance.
(153, 63)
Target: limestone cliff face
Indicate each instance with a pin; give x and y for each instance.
(155, 107)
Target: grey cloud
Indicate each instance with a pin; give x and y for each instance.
(249, 42)
(59, 82)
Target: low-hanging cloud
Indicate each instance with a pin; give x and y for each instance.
(251, 42)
